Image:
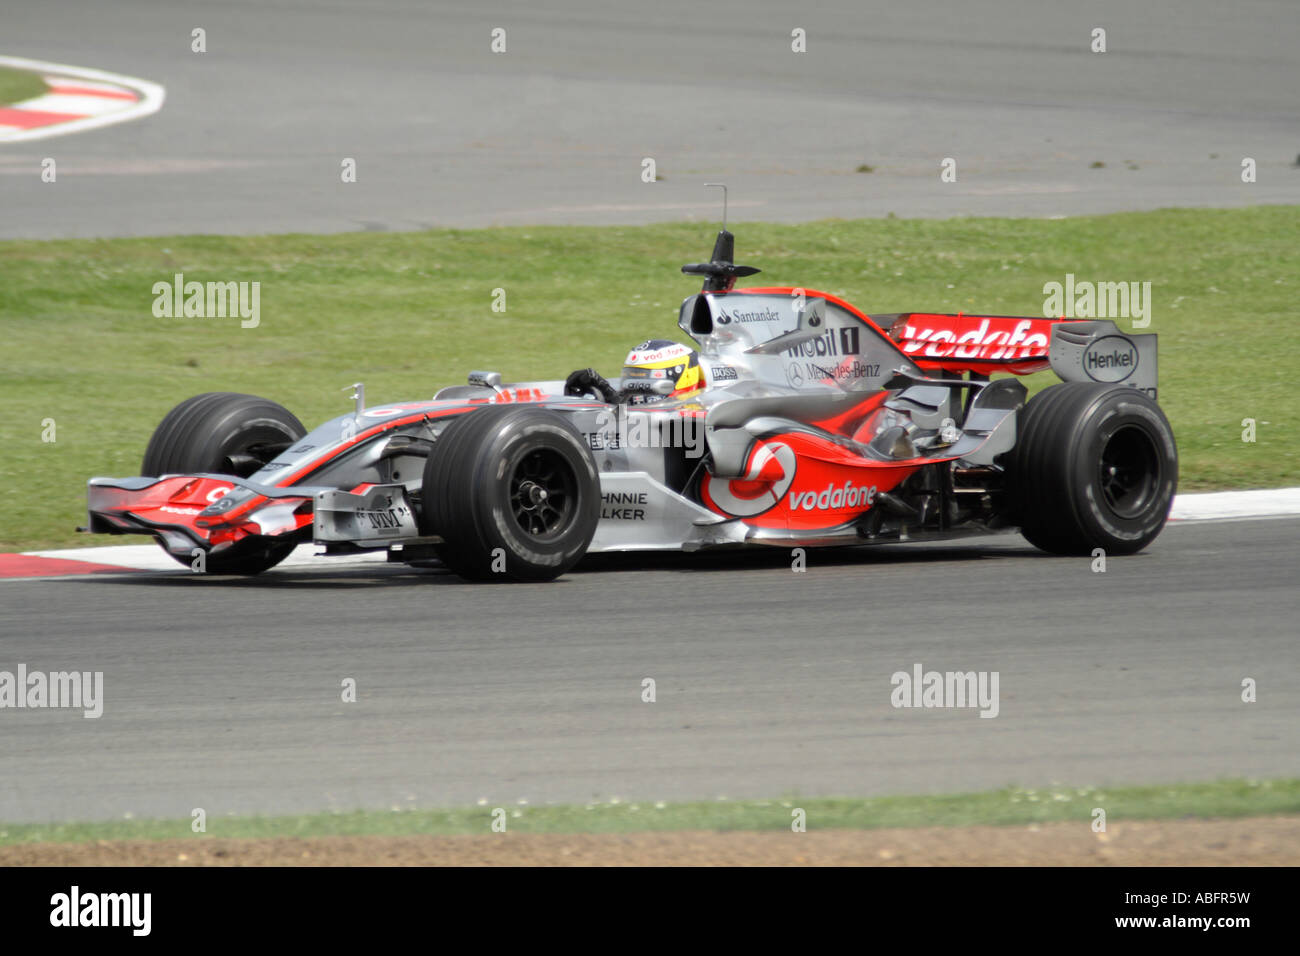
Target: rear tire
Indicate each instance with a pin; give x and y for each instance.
(514, 494)
(1095, 466)
(230, 434)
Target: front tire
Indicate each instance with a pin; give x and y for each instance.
(1095, 466)
(247, 557)
(514, 494)
(229, 434)
(221, 432)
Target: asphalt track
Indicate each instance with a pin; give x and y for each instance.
(446, 133)
(225, 694)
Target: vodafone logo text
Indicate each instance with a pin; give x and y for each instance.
(832, 498)
(993, 339)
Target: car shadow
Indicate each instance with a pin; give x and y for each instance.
(768, 558)
(295, 578)
(726, 560)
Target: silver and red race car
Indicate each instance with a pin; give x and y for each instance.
(798, 421)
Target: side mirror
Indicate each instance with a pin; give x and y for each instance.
(490, 380)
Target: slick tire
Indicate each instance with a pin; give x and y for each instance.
(514, 494)
(230, 434)
(1095, 466)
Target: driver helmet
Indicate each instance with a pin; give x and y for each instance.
(660, 360)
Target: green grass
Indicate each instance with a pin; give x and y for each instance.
(407, 313)
(1007, 807)
(19, 85)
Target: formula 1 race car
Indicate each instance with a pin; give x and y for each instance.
(799, 421)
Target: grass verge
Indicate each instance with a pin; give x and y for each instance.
(1010, 806)
(19, 85)
(87, 363)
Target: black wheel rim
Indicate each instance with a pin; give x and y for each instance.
(1129, 471)
(543, 493)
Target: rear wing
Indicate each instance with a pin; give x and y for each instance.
(1078, 350)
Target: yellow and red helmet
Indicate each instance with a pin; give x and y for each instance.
(658, 361)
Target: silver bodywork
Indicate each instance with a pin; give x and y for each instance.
(772, 363)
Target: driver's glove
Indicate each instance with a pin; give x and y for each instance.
(587, 380)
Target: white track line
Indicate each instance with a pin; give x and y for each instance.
(1229, 505)
(150, 557)
(151, 99)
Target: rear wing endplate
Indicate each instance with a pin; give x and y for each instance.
(1097, 351)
